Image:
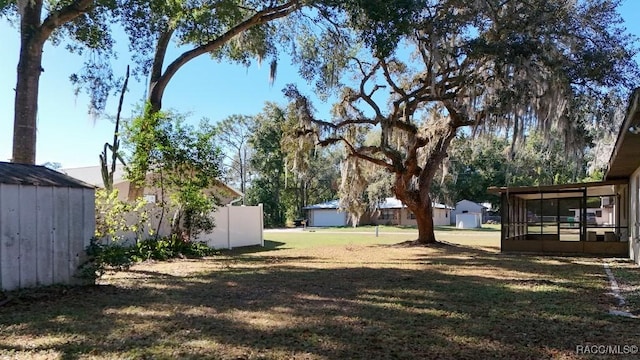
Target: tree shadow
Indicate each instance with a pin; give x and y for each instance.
(269, 245)
(288, 310)
(453, 228)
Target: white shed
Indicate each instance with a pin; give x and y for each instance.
(46, 221)
(468, 207)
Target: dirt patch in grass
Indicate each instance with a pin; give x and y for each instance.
(341, 301)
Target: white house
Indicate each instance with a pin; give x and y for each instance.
(390, 212)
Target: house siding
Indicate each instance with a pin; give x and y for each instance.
(403, 217)
(634, 216)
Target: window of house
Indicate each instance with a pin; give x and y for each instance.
(446, 214)
(465, 211)
(151, 199)
(387, 214)
(598, 213)
(410, 215)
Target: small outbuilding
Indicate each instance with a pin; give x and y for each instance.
(468, 207)
(47, 220)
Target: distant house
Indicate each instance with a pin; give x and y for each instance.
(602, 216)
(389, 212)
(468, 207)
(236, 226)
(93, 175)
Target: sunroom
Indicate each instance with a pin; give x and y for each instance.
(584, 218)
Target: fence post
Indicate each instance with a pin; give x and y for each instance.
(261, 224)
(228, 227)
(376, 230)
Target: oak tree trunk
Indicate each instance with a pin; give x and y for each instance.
(28, 79)
(424, 219)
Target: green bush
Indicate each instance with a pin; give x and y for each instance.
(103, 257)
(114, 257)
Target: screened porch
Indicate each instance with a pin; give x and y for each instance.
(585, 218)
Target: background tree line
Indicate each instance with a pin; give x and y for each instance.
(259, 161)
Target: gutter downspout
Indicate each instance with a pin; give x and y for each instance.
(235, 201)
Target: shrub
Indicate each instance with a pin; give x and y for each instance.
(104, 257)
(114, 257)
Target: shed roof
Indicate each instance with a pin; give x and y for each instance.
(465, 201)
(23, 174)
(596, 188)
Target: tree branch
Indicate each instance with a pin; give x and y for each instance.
(355, 152)
(259, 18)
(65, 14)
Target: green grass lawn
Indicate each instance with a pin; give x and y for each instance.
(322, 295)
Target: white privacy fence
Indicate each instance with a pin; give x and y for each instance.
(236, 226)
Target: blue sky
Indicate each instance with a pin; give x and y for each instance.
(203, 88)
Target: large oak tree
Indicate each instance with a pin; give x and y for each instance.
(489, 65)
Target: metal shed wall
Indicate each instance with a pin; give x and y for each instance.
(44, 231)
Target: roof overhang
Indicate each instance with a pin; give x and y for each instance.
(596, 188)
(625, 158)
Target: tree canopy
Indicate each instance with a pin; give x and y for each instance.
(492, 66)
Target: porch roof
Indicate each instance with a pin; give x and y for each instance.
(625, 158)
(596, 188)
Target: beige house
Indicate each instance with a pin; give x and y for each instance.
(93, 175)
(393, 212)
(235, 226)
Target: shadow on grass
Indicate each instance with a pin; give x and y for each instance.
(287, 310)
(269, 245)
(453, 228)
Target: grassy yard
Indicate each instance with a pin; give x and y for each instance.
(329, 295)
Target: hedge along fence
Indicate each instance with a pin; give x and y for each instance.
(46, 221)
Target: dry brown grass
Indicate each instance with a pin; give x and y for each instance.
(359, 299)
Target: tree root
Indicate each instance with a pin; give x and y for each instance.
(417, 243)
